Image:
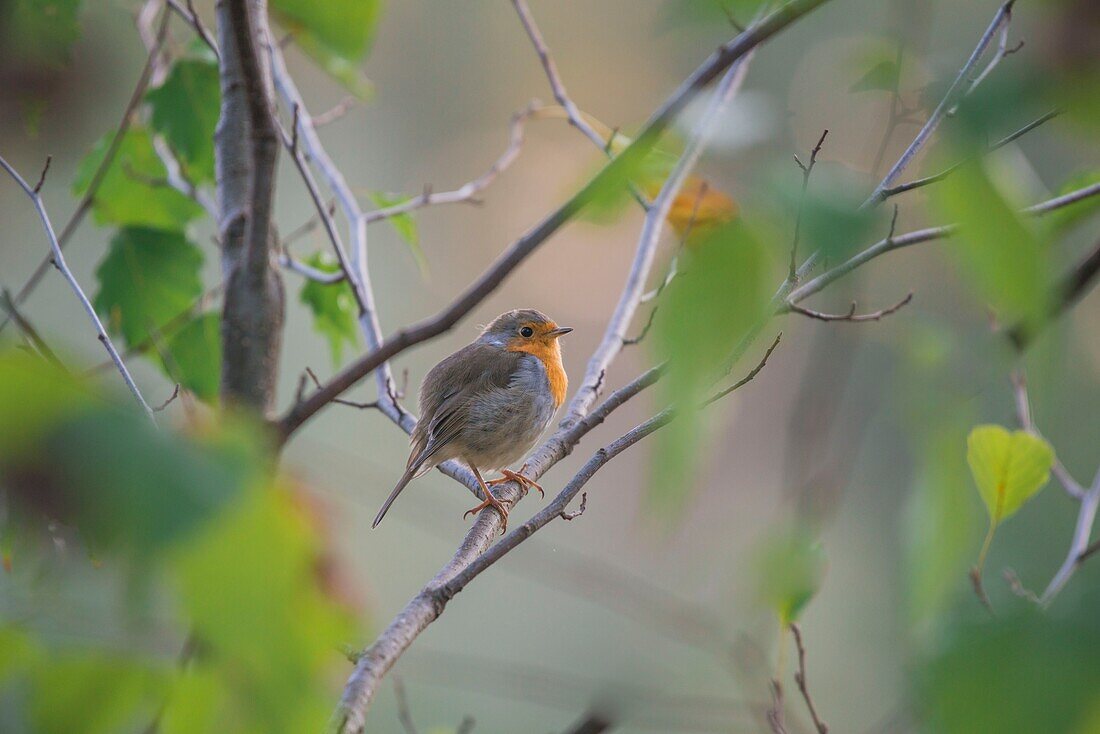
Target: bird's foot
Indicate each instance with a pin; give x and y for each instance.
(491, 501)
(511, 476)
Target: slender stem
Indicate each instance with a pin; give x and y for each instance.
(58, 259)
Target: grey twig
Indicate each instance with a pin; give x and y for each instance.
(1023, 415)
(403, 714)
(175, 394)
(468, 191)
(937, 177)
(749, 377)
(923, 235)
(807, 169)
(519, 250)
(958, 88)
(109, 156)
(774, 714)
(28, 330)
(579, 511)
(851, 316)
(58, 260)
(800, 679)
(191, 17)
(335, 112)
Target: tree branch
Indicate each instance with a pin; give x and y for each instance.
(58, 260)
(960, 87)
(246, 147)
(109, 156)
(522, 248)
(800, 680)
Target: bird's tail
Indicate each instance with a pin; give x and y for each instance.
(405, 479)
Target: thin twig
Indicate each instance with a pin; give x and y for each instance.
(403, 714)
(749, 377)
(1023, 415)
(468, 191)
(59, 262)
(175, 394)
(335, 112)
(96, 181)
(800, 679)
(774, 714)
(28, 330)
(579, 511)
(923, 235)
(954, 92)
(851, 316)
(191, 16)
(937, 177)
(807, 169)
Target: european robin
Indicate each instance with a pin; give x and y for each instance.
(487, 404)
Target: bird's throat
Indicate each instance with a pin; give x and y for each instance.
(549, 353)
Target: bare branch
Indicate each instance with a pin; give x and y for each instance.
(774, 714)
(852, 316)
(1023, 415)
(403, 714)
(96, 181)
(1079, 544)
(191, 16)
(923, 235)
(579, 511)
(576, 118)
(29, 331)
(749, 377)
(175, 394)
(807, 169)
(334, 113)
(522, 248)
(800, 679)
(935, 178)
(58, 260)
(468, 191)
(958, 88)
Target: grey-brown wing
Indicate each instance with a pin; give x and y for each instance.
(448, 390)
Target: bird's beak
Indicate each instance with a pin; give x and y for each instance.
(560, 331)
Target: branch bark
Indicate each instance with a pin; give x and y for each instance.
(522, 248)
(246, 150)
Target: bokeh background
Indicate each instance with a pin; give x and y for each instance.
(855, 426)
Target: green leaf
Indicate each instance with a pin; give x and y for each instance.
(790, 566)
(251, 589)
(1008, 468)
(96, 693)
(333, 307)
(132, 192)
(883, 76)
(185, 110)
(148, 277)
(196, 354)
(40, 32)
(338, 34)
(715, 302)
(404, 225)
(1004, 260)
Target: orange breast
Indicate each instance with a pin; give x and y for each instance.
(550, 355)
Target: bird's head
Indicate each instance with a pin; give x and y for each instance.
(525, 330)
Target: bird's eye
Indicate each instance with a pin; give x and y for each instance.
(527, 332)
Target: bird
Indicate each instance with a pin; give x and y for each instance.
(487, 404)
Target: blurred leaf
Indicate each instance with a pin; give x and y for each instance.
(1003, 259)
(34, 397)
(790, 565)
(940, 522)
(1008, 468)
(404, 225)
(1069, 216)
(132, 192)
(883, 76)
(251, 590)
(337, 34)
(196, 354)
(832, 220)
(40, 32)
(719, 296)
(708, 13)
(646, 173)
(185, 110)
(1018, 675)
(333, 307)
(95, 693)
(148, 277)
(698, 208)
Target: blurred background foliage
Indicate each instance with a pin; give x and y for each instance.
(175, 578)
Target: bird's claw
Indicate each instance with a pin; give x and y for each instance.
(523, 481)
(491, 501)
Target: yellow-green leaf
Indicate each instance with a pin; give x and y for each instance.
(1008, 468)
